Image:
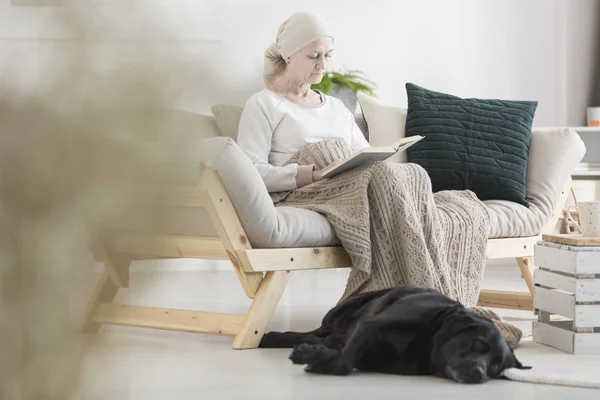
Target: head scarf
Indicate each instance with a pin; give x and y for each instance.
(294, 33)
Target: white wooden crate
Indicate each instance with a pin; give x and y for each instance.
(567, 284)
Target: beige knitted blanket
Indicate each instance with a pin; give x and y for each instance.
(395, 230)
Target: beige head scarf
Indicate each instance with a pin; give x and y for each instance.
(294, 33)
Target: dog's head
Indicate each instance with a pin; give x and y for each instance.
(470, 349)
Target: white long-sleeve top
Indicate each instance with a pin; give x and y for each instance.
(273, 128)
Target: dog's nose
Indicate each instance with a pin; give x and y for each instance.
(477, 373)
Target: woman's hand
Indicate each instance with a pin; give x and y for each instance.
(318, 174)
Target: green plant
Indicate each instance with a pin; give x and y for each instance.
(353, 79)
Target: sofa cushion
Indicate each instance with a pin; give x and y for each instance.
(385, 124)
(554, 153)
(182, 162)
(227, 117)
(270, 226)
(265, 224)
(553, 156)
(476, 144)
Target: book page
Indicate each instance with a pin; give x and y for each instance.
(370, 154)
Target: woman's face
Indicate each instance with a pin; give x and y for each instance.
(309, 64)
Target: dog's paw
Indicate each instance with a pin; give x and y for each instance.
(304, 353)
(329, 368)
(312, 353)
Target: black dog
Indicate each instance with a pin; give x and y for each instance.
(407, 330)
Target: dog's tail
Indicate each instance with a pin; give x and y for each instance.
(312, 354)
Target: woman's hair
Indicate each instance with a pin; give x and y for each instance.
(293, 34)
(275, 65)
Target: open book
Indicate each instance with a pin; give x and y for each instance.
(370, 154)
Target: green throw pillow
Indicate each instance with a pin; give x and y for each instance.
(476, 144)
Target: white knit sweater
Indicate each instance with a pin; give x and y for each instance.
(273, 128)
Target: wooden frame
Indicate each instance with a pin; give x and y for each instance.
(263, 273)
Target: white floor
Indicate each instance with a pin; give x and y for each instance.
(131, 363)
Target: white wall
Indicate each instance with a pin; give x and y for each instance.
(509, 49)
(581, 24)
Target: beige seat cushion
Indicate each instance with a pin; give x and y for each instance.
(553, 155)
(268, 226)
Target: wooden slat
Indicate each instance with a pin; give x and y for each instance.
(503, 299)
(587, 316)
(169, 319)
(104, 292)
(551, 258)
(555, 281)
(559, 334)
(554, 302)
(179, 246)
(511, 247)
(527, 269)
(572, 239)
(587, 343)
(230, 230)
(116, 264)
(588, 290)
(553, 336)
(262, 309)
(297, 258)
(574, 261)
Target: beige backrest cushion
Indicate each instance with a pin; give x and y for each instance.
(227, 117)
(385, 123)
(265, 224)
(553, 155)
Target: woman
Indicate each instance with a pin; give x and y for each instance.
(395, 230)
(288, 115)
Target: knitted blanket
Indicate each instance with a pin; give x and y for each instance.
(396, 231)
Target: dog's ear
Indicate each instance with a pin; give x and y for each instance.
(514, 363)
(453, 325)
(518, 364)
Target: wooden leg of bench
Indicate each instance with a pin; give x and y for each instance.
(527, 266)
(503, 299)
(117, 265)
(262, 309)
(105, 292)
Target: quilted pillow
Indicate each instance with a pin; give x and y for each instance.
(476, 144)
